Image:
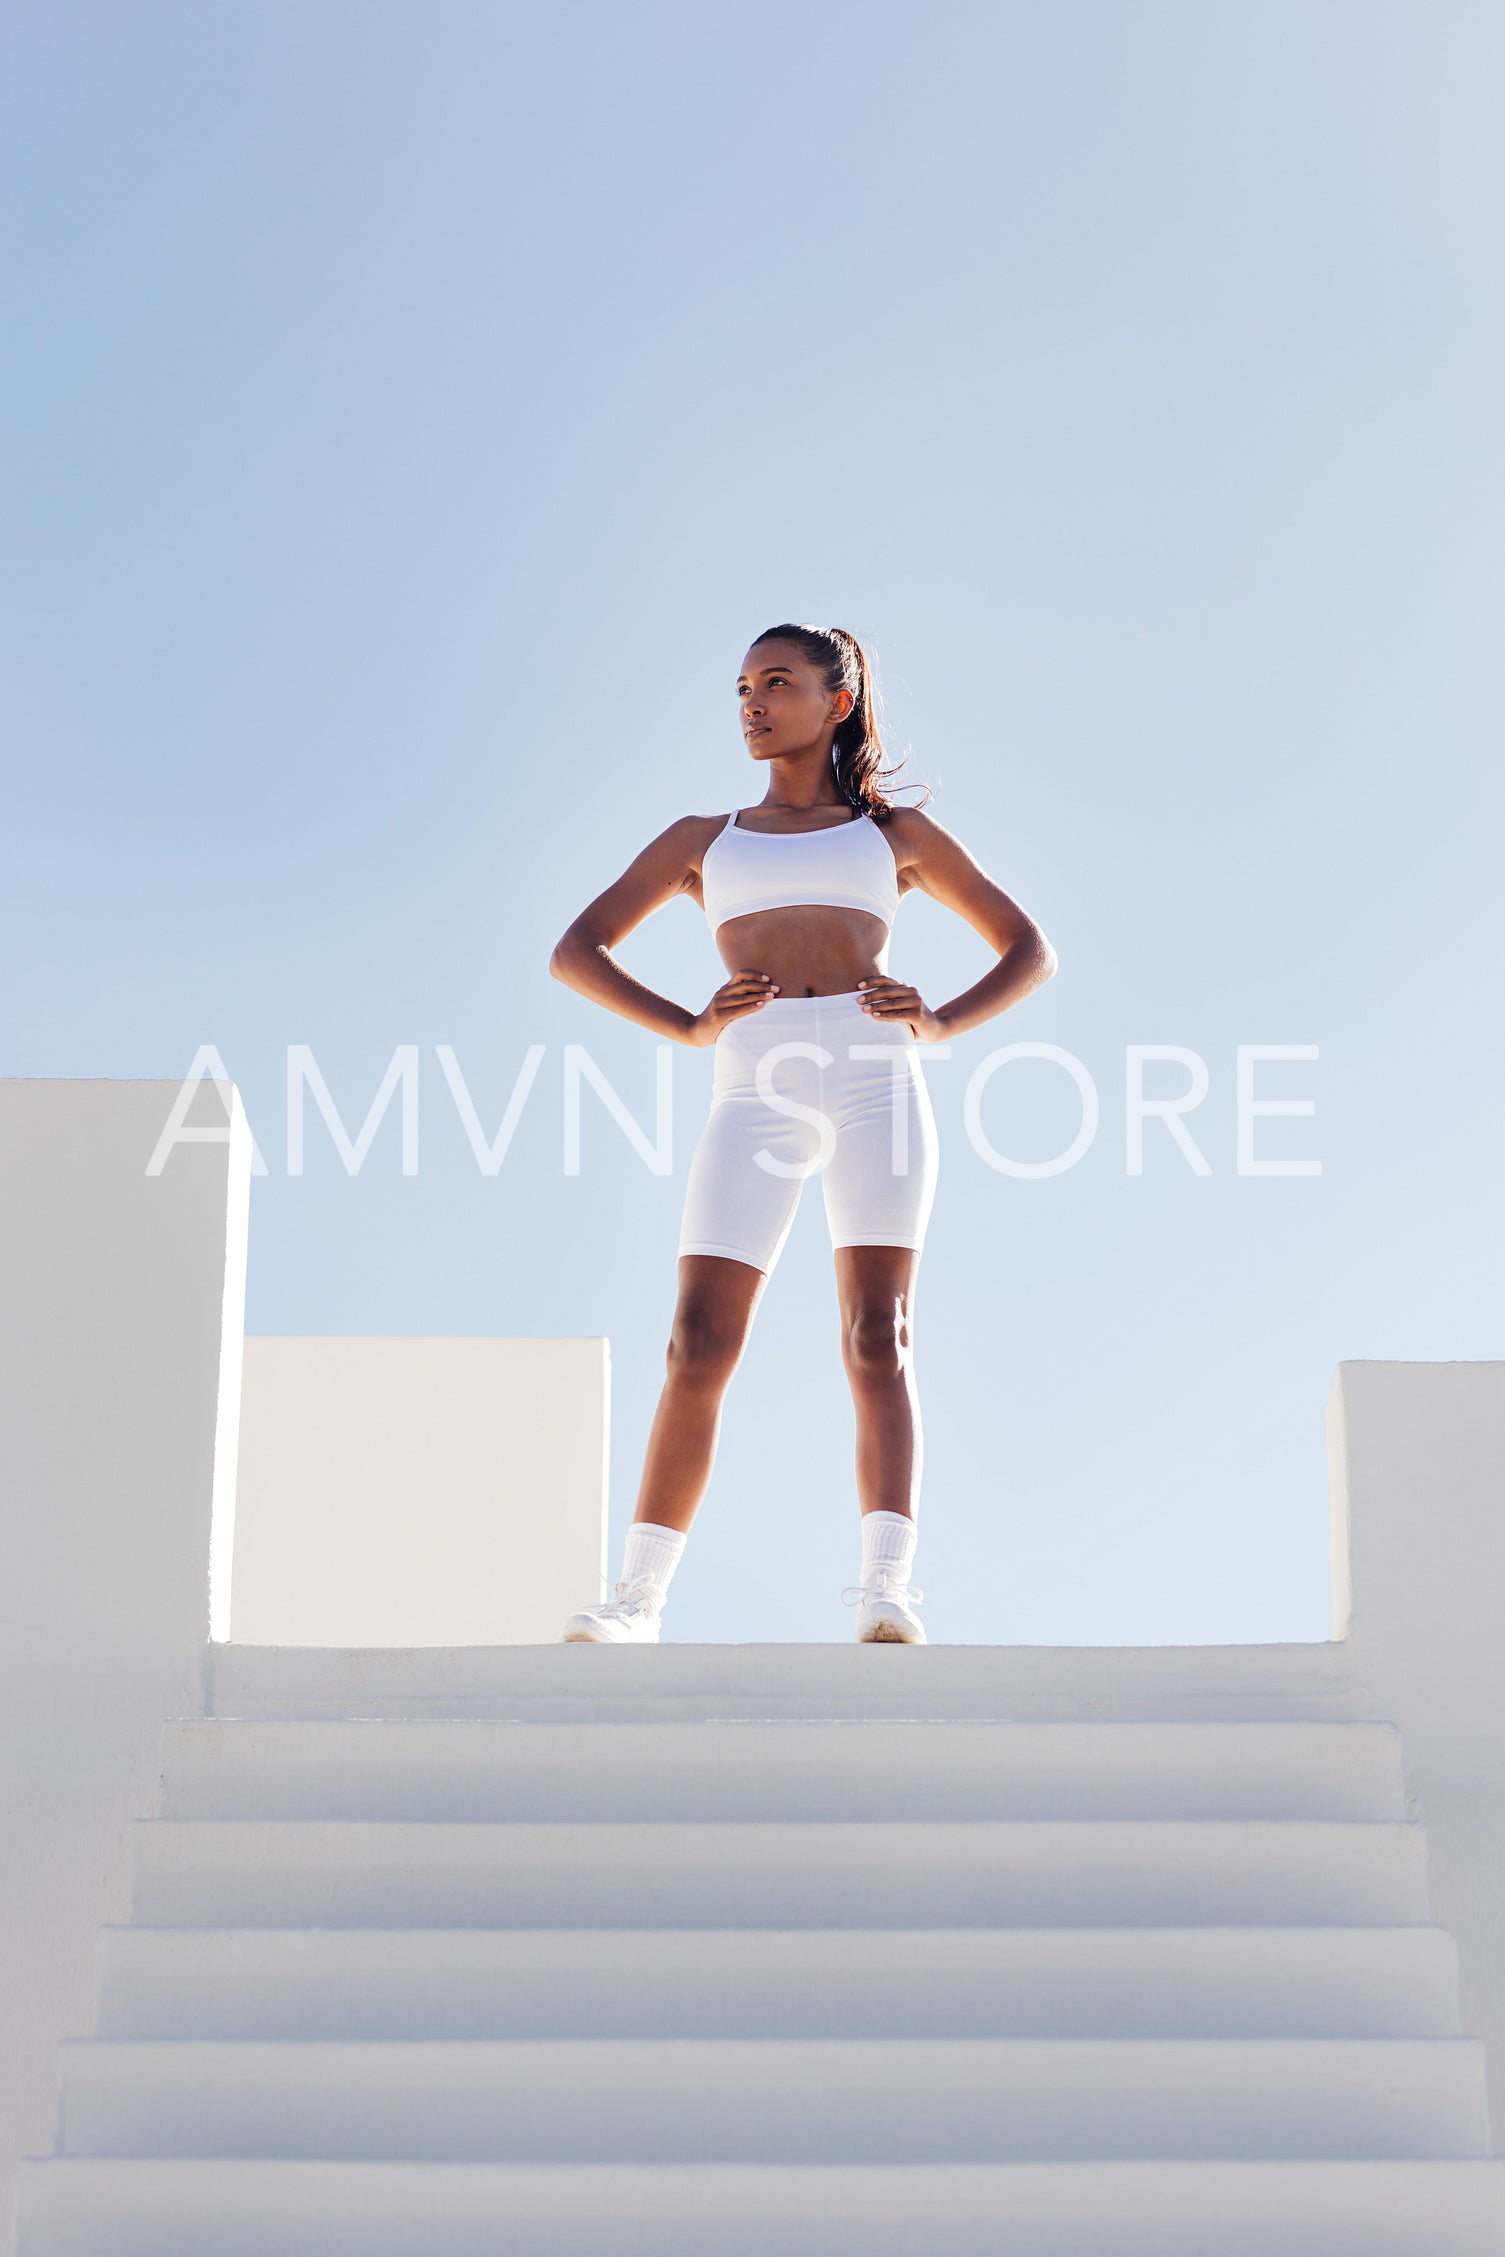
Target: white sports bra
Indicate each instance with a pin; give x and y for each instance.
(841, 866)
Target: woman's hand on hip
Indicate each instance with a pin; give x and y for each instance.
(735, 997)
(883, 998)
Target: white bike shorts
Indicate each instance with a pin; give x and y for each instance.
(809, 1084)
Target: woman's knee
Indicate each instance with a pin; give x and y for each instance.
(876, 1338)
(705, 1345)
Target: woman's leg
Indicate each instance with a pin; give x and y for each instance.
(880, 1184)
(737, 1214)
(875, 1287)
(717, 1297)
(712, 1320)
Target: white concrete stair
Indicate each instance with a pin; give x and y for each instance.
(805, 1770)
(1204, 1982)
(543, 1982)
(847, 1872)
(395, 2209)
(779, 2100)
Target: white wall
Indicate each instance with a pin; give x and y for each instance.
(1417, 1466)
(443, 1492)
(113, 1329)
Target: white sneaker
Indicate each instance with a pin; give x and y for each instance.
(628, 1618)
(885, 1610)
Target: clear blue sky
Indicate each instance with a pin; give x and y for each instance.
(414, 412)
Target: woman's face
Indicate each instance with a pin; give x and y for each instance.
(786, 708)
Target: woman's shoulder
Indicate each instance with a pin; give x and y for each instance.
(692, 831)
(911, 833)
(689, 837)
(701, 829)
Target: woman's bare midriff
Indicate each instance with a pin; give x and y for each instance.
(806, 950)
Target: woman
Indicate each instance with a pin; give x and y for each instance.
(817, 1067)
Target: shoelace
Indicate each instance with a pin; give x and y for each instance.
(885, 1585)
(635, 1598)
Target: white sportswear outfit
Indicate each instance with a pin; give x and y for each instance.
(822, 1054)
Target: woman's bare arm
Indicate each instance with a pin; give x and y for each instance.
(938, 864)
(582, 958)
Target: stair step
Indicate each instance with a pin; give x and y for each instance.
(1203, 2209)
(616, 1684)
(684, 2100)
(845, 1873)
(772, 1983)
(789, 1770)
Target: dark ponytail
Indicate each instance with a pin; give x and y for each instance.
(856, 748)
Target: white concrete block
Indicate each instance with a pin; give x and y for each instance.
(119, 1342)
(1417, 1474)
(427, 1492)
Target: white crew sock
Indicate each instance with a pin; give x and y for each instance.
(652, 1553)
(888, 1541)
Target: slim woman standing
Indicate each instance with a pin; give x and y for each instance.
(817, 1068)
